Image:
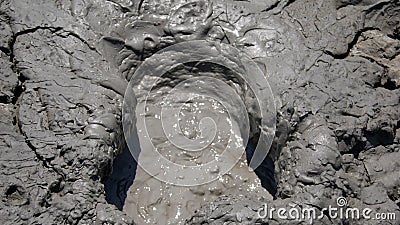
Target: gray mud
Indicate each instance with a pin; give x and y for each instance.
(180, 190)
(65, 65)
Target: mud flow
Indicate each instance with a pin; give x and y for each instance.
(194, 117)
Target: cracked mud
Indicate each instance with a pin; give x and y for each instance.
(333, 66)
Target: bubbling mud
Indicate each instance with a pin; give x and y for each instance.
(192, 127)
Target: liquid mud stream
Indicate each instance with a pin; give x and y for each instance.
(192, 127)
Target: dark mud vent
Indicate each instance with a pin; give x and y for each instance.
(118, 182)
(266, 172)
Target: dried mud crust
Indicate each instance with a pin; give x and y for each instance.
(60, 125)
(65, 65)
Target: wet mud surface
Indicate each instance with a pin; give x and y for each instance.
(333, 67)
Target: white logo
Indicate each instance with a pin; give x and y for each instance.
(226, 80)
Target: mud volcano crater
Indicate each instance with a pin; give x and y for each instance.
(172, 111)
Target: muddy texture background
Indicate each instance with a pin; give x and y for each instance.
(334, 68)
